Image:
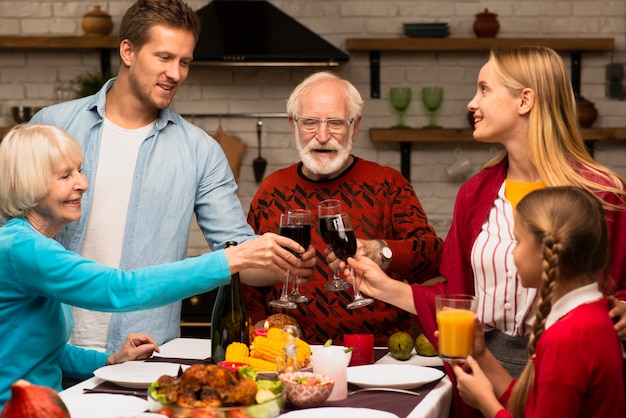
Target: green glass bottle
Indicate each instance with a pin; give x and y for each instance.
(229, 320)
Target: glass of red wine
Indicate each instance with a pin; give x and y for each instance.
(327, 209)
(301, 219)
(343, 243)
(289, 231)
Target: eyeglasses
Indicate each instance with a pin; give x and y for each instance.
(334, 125)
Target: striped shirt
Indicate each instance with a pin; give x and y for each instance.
(503, 303)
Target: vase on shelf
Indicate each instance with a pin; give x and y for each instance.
(587, 112)
(97, 22)
(486, 24)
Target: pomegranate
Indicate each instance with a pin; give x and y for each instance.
(33, 401)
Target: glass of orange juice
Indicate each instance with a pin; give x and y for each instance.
(455, 323)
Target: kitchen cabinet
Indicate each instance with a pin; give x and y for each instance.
(576, 46)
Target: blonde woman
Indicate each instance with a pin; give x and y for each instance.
(525, 102)
(575, 358)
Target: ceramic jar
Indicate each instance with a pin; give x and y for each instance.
(587, 112)
(97, 22)
(486, 24)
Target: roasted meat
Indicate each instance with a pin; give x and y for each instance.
(203, 385)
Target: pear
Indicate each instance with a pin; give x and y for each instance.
(400, 345)
(424, 347)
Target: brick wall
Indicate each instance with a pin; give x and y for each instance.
(31, 77)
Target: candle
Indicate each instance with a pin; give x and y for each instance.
(262, 332)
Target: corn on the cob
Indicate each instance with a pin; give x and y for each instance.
(237, 352)
(260, 365)
(268, 348)
(261, 355)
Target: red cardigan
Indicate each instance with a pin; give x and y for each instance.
(471, 209)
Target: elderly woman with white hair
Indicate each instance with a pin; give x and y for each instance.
(41, 185)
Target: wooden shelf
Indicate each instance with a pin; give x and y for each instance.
(375, 45)
(103, 43)
(476, 44)
(462, 135)
(59, 42)
(405, 137)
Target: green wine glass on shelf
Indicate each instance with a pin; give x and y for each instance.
(432, 97)
(400, 98)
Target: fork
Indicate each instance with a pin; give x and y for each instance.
(408, 392)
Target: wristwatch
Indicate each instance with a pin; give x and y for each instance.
(385, 254)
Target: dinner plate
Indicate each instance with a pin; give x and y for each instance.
(334, 412)
(104, 405)
(137, 374)
(397, 376)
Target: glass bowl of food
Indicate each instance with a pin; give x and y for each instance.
(214, 391)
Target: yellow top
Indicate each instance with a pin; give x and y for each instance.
(514, 191)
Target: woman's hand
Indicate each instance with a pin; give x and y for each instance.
(136, 347)
(375, 283)
(475, 388)
(618, 315)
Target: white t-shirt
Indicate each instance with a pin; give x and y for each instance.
(104, 235)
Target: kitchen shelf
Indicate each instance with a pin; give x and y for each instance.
(407, 136)
(375, 45)
(103, 43)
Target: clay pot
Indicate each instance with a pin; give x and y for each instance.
(486, 25)
(97, 22)
(587, 112)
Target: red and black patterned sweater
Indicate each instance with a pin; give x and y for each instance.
(382, 204)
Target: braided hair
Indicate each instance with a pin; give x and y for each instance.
(569, 224)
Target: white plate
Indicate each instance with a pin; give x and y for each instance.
(335, 412)
(137, 374)
(398, 376)
(104, 405)
(414, 360)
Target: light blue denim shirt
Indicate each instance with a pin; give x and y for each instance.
(180, 170)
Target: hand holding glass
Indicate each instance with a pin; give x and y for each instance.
(455, 322)
(327, 209)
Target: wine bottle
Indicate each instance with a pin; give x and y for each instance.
(229, 320)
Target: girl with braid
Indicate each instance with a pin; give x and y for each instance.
(575, 357)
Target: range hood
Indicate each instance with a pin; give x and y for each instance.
(257, 33)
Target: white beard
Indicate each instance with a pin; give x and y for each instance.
(319, 164)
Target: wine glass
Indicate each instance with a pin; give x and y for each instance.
(283, 301)
(301, 218)
(326, 209)
(343, 243)
(400, 99)
(432, 98)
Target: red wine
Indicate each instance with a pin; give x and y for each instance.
(343, 242)
(299, 233)
(324, 228)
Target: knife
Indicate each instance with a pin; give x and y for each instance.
(114, 391)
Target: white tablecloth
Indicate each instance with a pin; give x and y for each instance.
(435, 405)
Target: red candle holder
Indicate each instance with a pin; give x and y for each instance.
(363, 348)
(260, 332)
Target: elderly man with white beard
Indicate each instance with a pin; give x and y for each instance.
(388, 219)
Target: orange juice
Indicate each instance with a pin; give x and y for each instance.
(456, 332)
